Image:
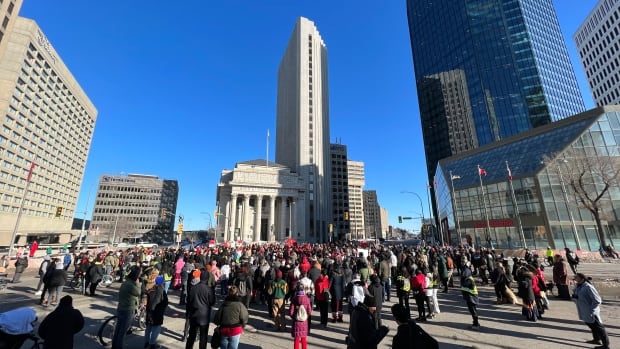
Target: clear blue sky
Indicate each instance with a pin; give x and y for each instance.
(184, 92)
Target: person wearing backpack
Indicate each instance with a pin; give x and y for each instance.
(278, 290)
(243, 281)
(300, 311)
(403, 288)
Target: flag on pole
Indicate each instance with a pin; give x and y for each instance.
(456, 177)
(481, 171)
(509, 172)
(30, 171)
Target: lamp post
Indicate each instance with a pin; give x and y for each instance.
(419, 198)
(570, 212)
(456, 216)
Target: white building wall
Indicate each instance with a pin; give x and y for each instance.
(598, 44)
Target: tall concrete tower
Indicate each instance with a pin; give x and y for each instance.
(302, 130)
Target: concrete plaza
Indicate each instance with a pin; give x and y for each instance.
(502, 325)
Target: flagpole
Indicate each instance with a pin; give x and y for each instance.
(514, 202)
(456, 217)
(21, 208)
(267, 158)
(486, 213)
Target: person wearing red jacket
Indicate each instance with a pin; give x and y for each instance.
(418, 287)
(321, 287)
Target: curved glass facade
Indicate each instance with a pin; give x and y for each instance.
(541, 208)
(496, 68)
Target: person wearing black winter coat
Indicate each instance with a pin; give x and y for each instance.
(56, 282)
(59, 327)
(362, 331)
(200, 299)
(376, 291)
(156, 303)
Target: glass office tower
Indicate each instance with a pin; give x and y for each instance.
(486, 70)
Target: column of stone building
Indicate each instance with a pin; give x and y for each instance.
(257, 221)
(271, 223)
(245, 226)
(292, 212)
(283, 223)
(232, 216)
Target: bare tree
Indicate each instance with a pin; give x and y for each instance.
(590, 176)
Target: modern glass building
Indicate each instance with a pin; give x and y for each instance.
(486, 70)
(519, 191)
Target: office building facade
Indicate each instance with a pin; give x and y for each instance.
(340, 192)
(598, 44)
(49, 122)
(524, 195)
(356, 181)
(302, 124)
(495, 69)
(132, 205)
(372, 215)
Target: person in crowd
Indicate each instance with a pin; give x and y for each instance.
(42, 269)
(336, 290)
(224, 277)
(200, 300)
(299, 328)
(128, 298)
(93, 275)
(178, 268)
(243, 281)
(432, 303)
(186, 273)
(231, 318)
(560, 277)
(321, 286)
(278, 291)
(59, 326)
(33, 249)
(403, 288)
(375, 289)
(21, 263)
(156, 304)
(526, 292)
(67, 260)
(470, 294)
(56, 282)
(385, 275)
(418, 286)
(442, 271)
(362, 331)
(588, 303)
(549, 254)
(572, 259)
(408, 334)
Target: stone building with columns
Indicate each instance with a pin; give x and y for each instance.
(260, 201)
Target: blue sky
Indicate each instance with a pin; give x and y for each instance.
(184, 92)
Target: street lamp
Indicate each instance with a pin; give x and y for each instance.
(570, 212)
(456, 216)
(419, 198)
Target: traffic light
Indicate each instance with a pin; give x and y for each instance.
(346, 215)
(164, 213)
(59, 211)
(180, 229)
(400, 219)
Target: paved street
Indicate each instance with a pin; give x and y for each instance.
(502, 325)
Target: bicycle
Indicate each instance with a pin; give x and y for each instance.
(18, 340)
(106, 331)
(77, 281)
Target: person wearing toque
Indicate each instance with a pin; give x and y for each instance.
(362, 331)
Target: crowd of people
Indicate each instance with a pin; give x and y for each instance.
(293, 281)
